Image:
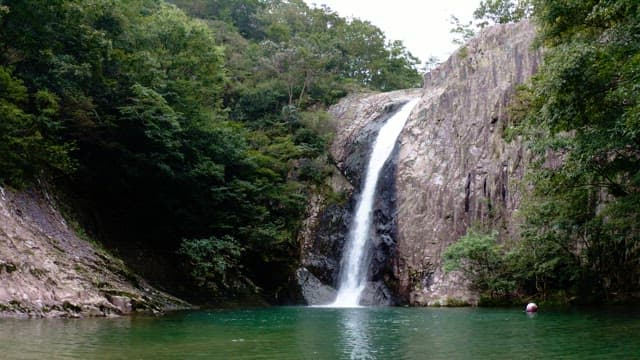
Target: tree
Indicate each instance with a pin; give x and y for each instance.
(162, 127)
(242, 14)
(30, 145)
(464, 32)
(482, 261)
(583, 106)
(502, 11)
(491, 12)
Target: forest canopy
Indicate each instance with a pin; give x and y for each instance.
(189, 135)
(195, 129)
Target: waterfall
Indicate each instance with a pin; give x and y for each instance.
(353, 274)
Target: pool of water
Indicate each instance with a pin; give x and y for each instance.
(326, 333)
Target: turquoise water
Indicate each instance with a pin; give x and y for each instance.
(322, 333)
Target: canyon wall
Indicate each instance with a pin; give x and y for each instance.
(452, 169)
(455, 168)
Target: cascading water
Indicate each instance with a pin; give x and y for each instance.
(353, 275)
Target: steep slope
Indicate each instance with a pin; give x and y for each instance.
(455, 169)
(47, 270)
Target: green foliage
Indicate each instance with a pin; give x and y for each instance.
(167, 128)
(215, 263)
(242, 14)
(491, 12)
(580, 236)
(314, 170)
(28, 134)
(580, 115)
(314, 56)
(502, 11)
(463, 31)
(483, 261)
(431, 64)
(477, 251)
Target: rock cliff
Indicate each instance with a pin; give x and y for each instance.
(48, 270)
(455, 169)
(452, 168)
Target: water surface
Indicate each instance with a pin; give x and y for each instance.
(326, 333)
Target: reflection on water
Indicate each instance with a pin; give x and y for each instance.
(326, 333)
(354, 323)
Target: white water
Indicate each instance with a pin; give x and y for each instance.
(353, 275)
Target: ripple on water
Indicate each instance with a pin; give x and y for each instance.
(326, 333)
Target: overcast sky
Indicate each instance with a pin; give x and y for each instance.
(422, 25)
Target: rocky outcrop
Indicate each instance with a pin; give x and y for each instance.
(48, 270)
(324, 230)
(314, 291)
(455, 169)
(452, 169)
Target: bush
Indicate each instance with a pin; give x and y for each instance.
(482, 261)
(215, 263)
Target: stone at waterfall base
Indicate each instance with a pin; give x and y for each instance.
(313, 290)
(376, 293)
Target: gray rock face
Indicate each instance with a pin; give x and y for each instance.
(455, 169)
(324, 232)
(47, 270)
(452, 169)
(313, 290)
(378, 293)
(359, 118)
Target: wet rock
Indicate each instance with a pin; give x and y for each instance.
(122, 304)
(323, 250)
(93, 311)
(57, 314)
(360, 117)
(313, 290)
(326, 229)
(376, 293)
(383, 239)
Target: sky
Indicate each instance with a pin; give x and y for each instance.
(422, 25)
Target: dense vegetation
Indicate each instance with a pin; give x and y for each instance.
(188, 146)
(581, 116)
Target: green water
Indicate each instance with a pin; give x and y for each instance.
(319, 333)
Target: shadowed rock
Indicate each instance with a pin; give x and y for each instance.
(313, 290)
